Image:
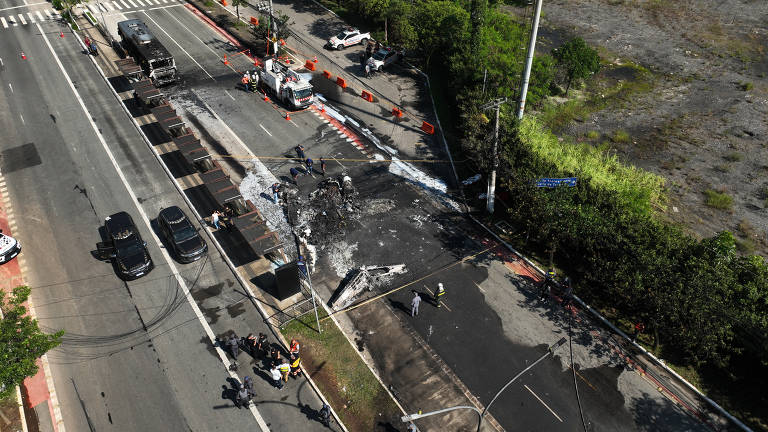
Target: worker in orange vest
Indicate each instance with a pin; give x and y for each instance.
(246, 80)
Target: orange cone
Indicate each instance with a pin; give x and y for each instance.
(61, 34)
(266, 99)
(288, 116)
(225, 60)
(23, 57)
(315, 59)
(322, 108)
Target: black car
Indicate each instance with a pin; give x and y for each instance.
(181, 235)
(124, 247)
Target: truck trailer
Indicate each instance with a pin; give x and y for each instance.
(156, 62)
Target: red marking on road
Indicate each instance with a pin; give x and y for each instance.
(340, 127)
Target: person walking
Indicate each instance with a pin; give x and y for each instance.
(439, 294)
(233, 343)
(309, 163)
(285, 369)
(300, 152)
(295, 174)
(295, 366)
(549, 279)
(275, 191)
(277, 380)
(325, 415)
(242, 397)
(294, 348)
(568, 293)
(322, 166)
(415, 302)
(262, 345)
(215, 219)
(248, 384)
(87, 42)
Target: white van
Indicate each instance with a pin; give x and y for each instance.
(9, 248)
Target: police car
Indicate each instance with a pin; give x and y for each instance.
(9, 248)
(348, 37)
(384, 57)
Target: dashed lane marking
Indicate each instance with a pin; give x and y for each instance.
(228, 94)
(265, 129)
(542, 402)
(177, 44)
(117, 5)
(478, 287)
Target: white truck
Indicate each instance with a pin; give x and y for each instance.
(9, 248)
(349, 37)
(285, 84)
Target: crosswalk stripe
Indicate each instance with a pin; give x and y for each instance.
(5, 24)
(165, 1)
(132, 3)
(40, 16)
(101, 6)
(109, 6)
(139, 2)
(56, 14)
(156, 2)
(117, 5)
(31, 18)
(23, 21)
(91, 8)
(124, 4)
(48, 14)
(13, 21)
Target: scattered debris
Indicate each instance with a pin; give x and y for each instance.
(365, 278)
(472, 179)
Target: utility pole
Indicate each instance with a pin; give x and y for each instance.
(529, 61)
(491, 191)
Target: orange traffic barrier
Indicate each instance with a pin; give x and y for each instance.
(282, 42)
(397, 112)
(223, 2)
(367, 95)
(341, 82)
(254, 21)
(428, 128)
(327, 74)
(309, 65)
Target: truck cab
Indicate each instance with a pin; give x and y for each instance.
(288, 85)
(155, 60)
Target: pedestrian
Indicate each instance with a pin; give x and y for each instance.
(301, 263)
(322, 166)
(411, 427)
(215, 219)
(262, 345)
(295, 366)
(325, 415)
(639, 328)
(295, 174)
(309, 162)
(246, 80)
(248, 384)
(362, 59)
(242, 397)
(415, 303)
(275, 191)
(367, 70)
(285, 369)
(234, 345)
(274, 354)
(300, 152)
(294, 348)
(368, 50)
(439, 293)
(276, 377)
(250, 344)
(377, 47)
(87, 42)
(549, 279)
(94, 48)
(568, 293)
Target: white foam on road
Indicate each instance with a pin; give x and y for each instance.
(434, 186)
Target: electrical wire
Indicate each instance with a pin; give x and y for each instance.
(573, 368)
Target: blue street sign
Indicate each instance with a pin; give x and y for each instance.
(556, 182)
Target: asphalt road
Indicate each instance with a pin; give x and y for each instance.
(136, 355)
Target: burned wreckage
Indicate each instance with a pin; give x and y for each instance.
(153, 58)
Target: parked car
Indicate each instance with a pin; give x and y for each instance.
(383, 58)
(9, 248)
(181, 235)
(125, 247)
(349, 37)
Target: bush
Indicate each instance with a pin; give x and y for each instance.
(620, 136)
(746, 86)
(593, 135)
(718, 200)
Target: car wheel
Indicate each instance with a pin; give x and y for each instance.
(340, 47)
(378, 69)
(364, 42)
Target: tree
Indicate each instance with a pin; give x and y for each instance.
(577, 60)
(373, 9)
(236, 4)
(21, 341)
(397, 24)
(441, 26)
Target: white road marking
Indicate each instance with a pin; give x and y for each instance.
(171, 265)
(124, 4)
(191, 32)
(117, 5)
(478, 287)
(294, 124)
(31, 18)
(11, 87)
(542, 402)
(22, 119)
(180, 47)
(92, 9)
(139, 2)
(109, 6)
(5, 24)
(48, 14)
(13, 21)
(156, 2)
(230, 96)
(132, 3)
(21, 6)
(265, 129)
(165, 1)
(21, 18)
(40, 16)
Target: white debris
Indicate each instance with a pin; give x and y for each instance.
(472, 179)
(340, 256)
(410, 172)
(254, 184)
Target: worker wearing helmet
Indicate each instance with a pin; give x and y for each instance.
(439, 293)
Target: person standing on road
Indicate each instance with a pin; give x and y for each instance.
(250, 344)
(295, 174)
(233, 343)
(546, 284)
(415, 302)
(294, 348)
(285, 369)
(246, 80)
(262, 345)
(325, 415)
(322, 166)
(242, 397)
(248, 384)
(277, 380)
(274, 354)
(295, 366)
(439, 293)
(215, 219)
(309, 163)
(300, 152)
(568, 293)
(275, 191)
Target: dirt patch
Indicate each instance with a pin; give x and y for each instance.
(702, 124)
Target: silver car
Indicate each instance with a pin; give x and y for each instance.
(383, 58)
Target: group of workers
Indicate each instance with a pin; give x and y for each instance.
(250, 80)
(90, 45)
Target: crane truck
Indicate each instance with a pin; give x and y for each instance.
(285, 84)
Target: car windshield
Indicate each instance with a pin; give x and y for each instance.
(341, 35)
(380, 55)
(130, 249)
(184, 234)
(301, 94)
(159, 64)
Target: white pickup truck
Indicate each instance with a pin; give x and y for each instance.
(9, 248)
(349, 37)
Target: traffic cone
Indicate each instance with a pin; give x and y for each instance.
(322, 108)
(287, 116)
(61, 33)
(23, 57)
(266, 99)
(225, 60)
(315, 59)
